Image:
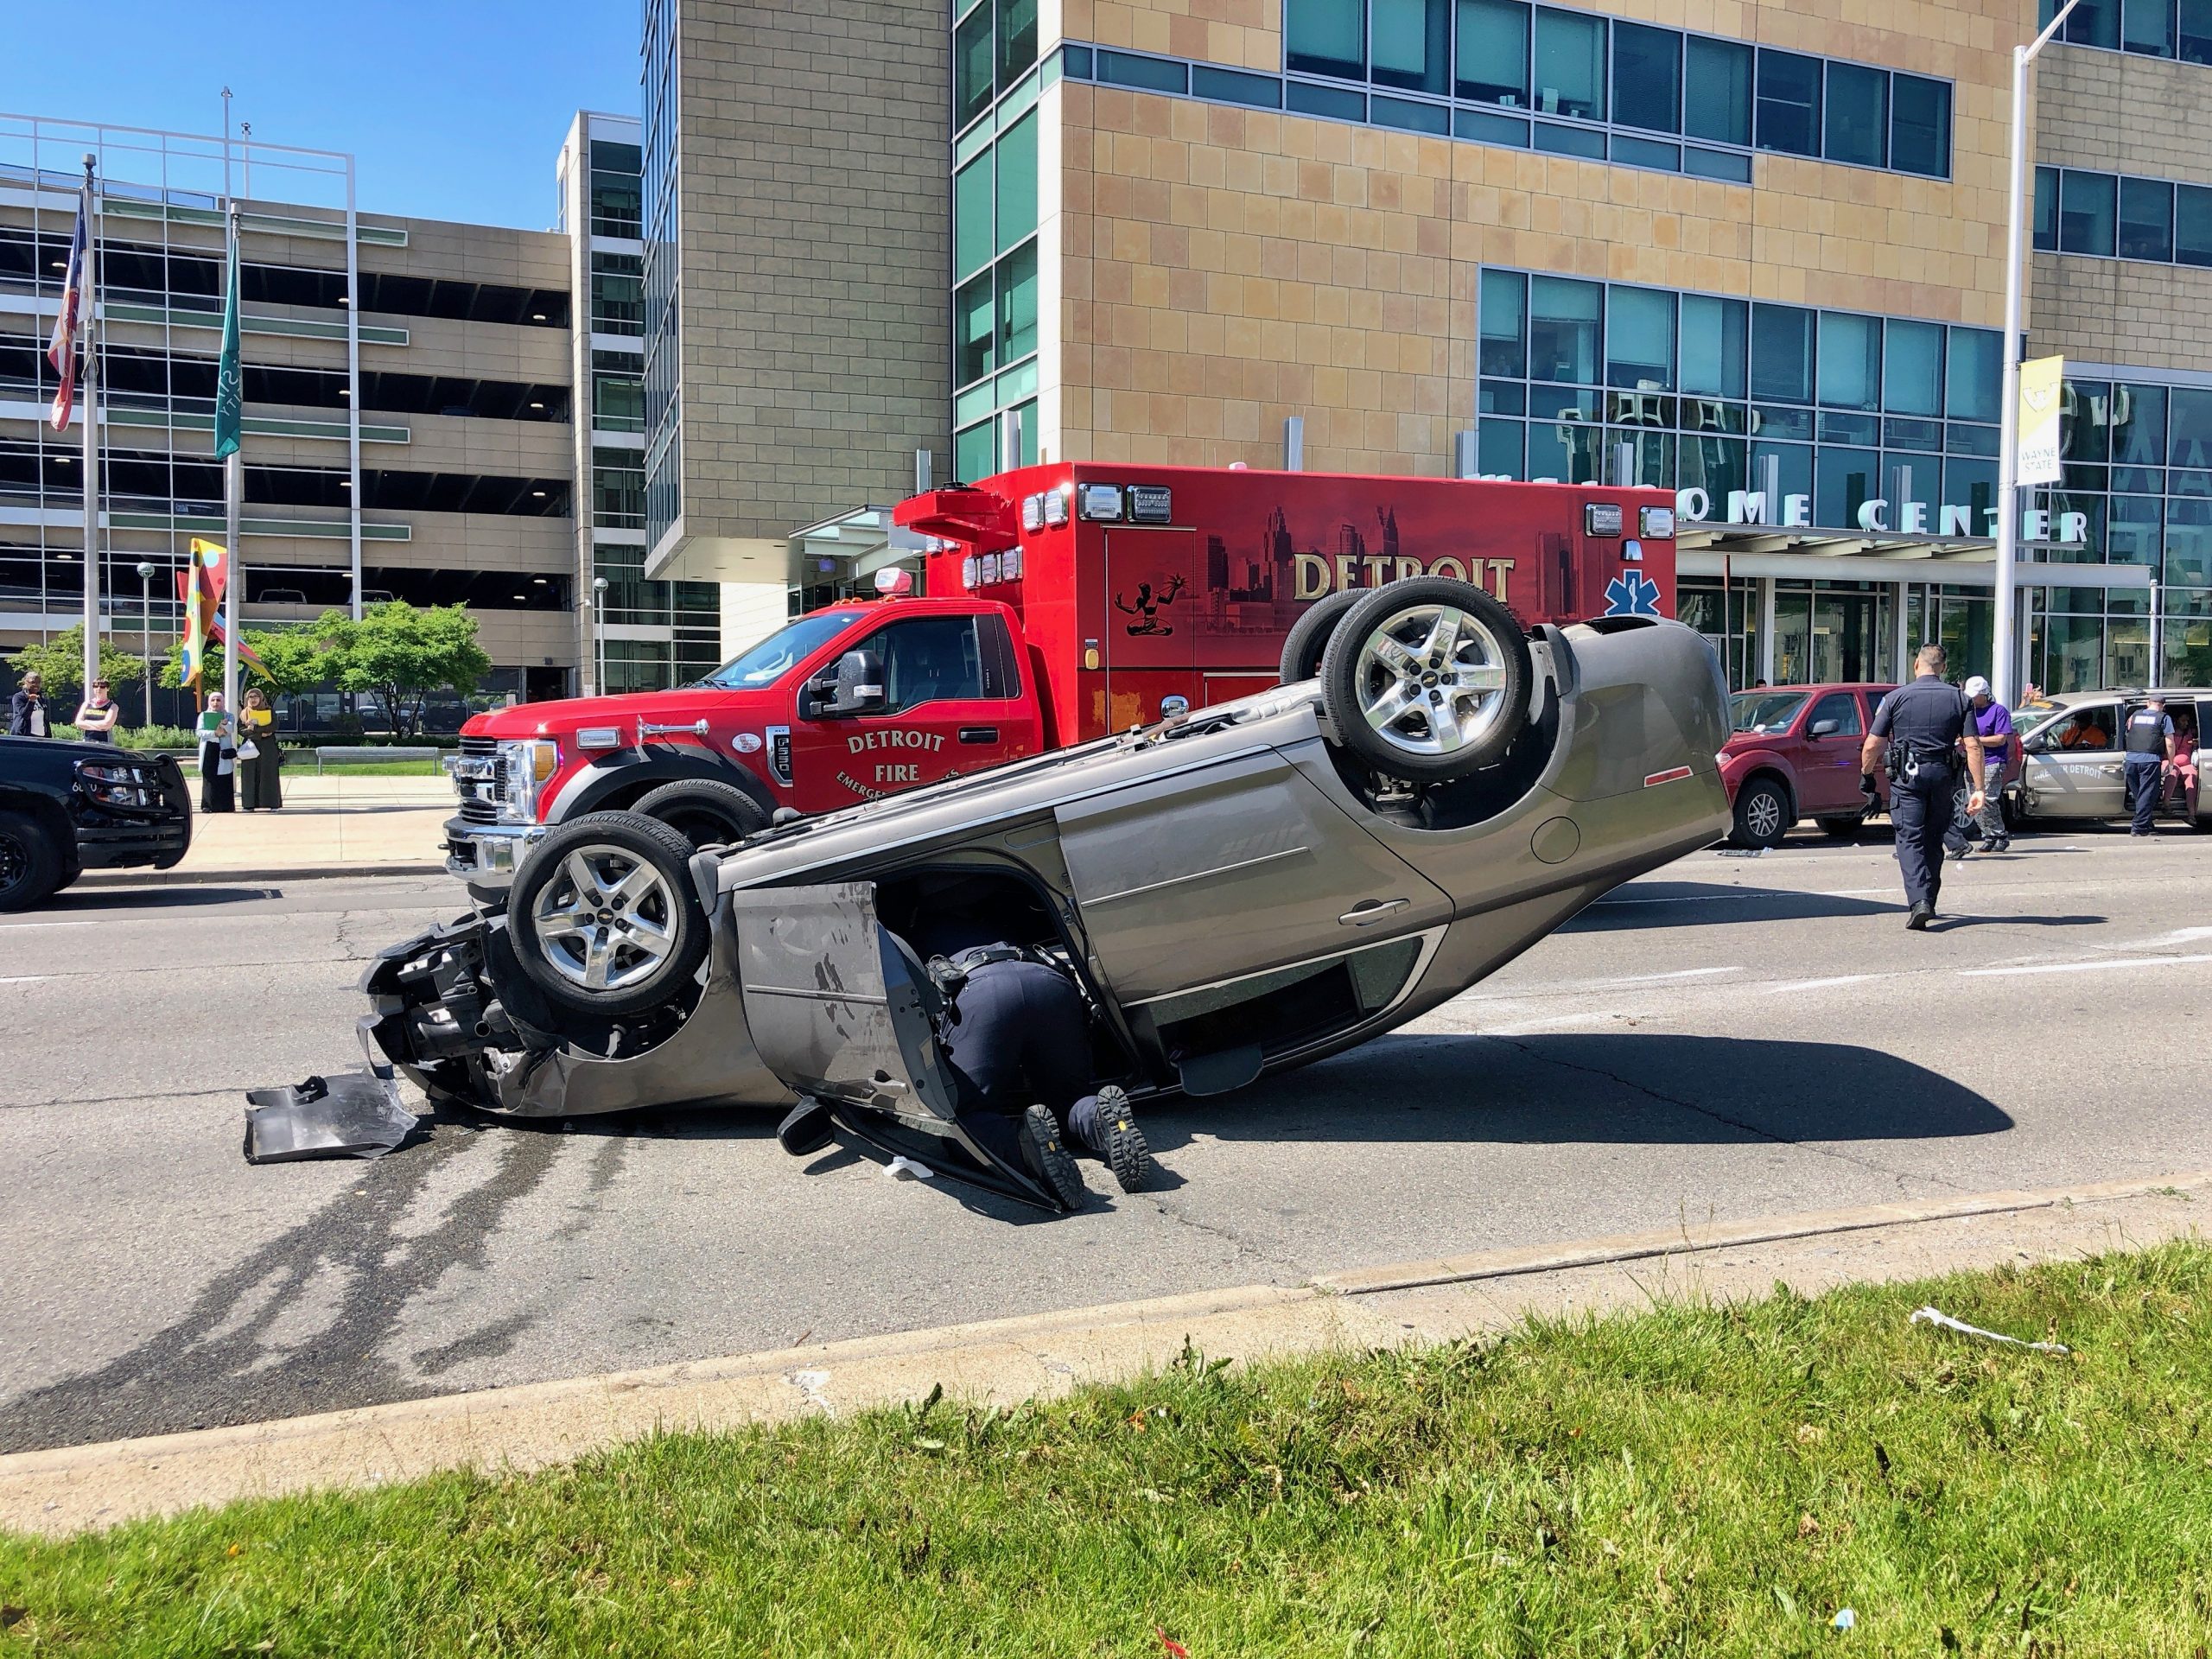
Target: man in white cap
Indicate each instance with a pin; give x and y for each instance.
(1993, 723)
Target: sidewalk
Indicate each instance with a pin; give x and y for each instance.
(328, 827)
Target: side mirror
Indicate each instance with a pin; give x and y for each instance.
(1174, 706)
(860, 684)
(1825, 727)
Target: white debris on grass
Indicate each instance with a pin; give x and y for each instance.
(1937, 1317)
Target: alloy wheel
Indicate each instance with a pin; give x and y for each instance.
(1763, 815)
(15, 860)
(606, 920)
(1431, 680)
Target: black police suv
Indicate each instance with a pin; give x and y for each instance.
(65, 808)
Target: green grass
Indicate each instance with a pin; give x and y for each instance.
(303, 764)
(1687, 1480)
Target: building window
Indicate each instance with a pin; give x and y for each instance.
(2147, 26)
(1492, 67)
(2045, 234)
(2193, 224)
(616, 199)
(1324, 37)
(1920, 126)
(1563, 330)
(973, 189)
(2194, 31)
(973, 330)
(1973, 375)
(1912, 369)
(1016, 192)
(1570, 64)
(2146, 219)
(1640, 338)
(1717, 91)
(1713, 346)
(1411, 45)
(2086, 206)
(618, 296)
(617, 489)
(1505, 348)
(1017, 304)
(1016, 37)
(1858, 115)
(617, 400)
(1647, 78)
(972, 50)
(1788, 103)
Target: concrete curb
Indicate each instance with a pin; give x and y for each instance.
(106, 878)
(75, 1489)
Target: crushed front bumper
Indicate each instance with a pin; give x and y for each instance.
(486, 855)
(452, 1011)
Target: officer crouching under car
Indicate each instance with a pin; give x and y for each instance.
(1923, 725)
(1017, 1035)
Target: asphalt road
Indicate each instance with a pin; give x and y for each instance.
(1733, 1037)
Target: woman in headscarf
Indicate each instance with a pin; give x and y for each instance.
(260, 783)
(218, 756)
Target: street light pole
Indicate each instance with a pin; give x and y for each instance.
(2008, 456)
(146, 632)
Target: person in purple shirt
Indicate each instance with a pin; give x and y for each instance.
(1993, 723)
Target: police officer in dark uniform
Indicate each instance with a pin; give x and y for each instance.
(2150, 740)
(1017, 1035)
(1923, 725)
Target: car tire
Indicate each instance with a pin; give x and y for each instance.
(607, 897)
(1763, 814)
(1382, 694)
(704, 812)
(1841, 829)
(31, 866)
(1309, 635)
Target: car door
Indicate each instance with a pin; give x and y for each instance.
(1228, 868)
(952, 695)
(2074, 768)
(1828, 756)
(840, 1011)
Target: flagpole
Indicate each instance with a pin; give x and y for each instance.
(233, 494)
(92, 457)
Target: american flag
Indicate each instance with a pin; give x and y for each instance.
(62, 351)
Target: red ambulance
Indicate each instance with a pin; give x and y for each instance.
(1066, 600)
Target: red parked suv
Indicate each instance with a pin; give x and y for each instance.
(1794, 754)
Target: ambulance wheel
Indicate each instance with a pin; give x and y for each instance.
(1427, 679)
(1301, 651)
(704, 812)
(603, 916)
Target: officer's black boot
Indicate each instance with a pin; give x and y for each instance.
(1125, 1145)
(1045, 1152)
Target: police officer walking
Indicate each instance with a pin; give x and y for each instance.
(2149, 747)
(1923, 726)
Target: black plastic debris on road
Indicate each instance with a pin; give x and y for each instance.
(354, 1115)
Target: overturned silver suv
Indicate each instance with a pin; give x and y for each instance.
(1236, 891)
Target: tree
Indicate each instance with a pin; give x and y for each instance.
(295, 657)
(400, 654)
(61, 662)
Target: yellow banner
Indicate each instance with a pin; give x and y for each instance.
(2042, 387)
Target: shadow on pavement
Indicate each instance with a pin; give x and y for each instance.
(181, 896)
(1561, 1088)
(1699, 904)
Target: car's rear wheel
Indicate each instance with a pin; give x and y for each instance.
(1763, 814)
(704, 812)
(1309, 635)
(604, 917)
(30, 864)
(1427, 679)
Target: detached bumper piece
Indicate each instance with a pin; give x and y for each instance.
(355, 1114)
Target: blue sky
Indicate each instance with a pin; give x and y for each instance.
(453, 110)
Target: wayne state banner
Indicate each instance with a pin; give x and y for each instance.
(2043, 385)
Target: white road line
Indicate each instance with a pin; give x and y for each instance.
(1820, 984)
(25, 979)
(2080, 967)
(24, 927)
(1537, 1027)
(1563, 988)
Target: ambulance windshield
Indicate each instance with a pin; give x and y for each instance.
(776, 656)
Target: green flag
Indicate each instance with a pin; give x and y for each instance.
(230, 396)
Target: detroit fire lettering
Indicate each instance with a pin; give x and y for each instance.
(1268, 589)
(893, 772)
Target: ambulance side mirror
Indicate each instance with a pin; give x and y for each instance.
(860, 684)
